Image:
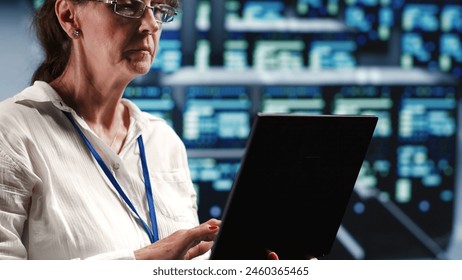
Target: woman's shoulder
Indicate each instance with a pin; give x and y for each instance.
(26, 112)
(18, 107)
(159, 126)
(147, 120)
(11, 111)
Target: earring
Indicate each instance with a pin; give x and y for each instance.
(75, 33)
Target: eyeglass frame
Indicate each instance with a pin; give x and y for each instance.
(157, 6)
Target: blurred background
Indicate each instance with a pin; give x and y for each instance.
(220, 62)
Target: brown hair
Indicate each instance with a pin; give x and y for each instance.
(55, 42)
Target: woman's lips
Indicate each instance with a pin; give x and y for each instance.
(145, 51)
(139, 54)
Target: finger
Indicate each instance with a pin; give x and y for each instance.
(272, 255)
(214, 222)
(203, 232)
(199, 250)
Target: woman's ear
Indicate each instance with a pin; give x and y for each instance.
(66, 14)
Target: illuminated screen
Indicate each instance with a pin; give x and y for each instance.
(213, 179)
(263, 10)
(420, 38)
(408, 175)
(203, 17)
(295, 51)
(431, 36)
(235, 56)
(419, 50)
(266, 10)
(373, 19)
(279, 54)
(157, 101)
(203, 45)
(202, 52)
(292, 99)
(420, 17)
(298, 42)
(450, 59)
(216, 117)
(451, 18)
(264, 51)
(233, 10)
(317, 8)
(332, 51)
(169, 56)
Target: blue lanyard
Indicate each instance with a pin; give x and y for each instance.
(153, 234)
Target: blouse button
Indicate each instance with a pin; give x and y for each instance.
(116, 166)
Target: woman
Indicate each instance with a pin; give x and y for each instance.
(77, 161)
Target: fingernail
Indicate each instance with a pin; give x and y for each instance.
(213, 227)
(273, 256)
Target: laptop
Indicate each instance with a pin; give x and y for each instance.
(293, 186)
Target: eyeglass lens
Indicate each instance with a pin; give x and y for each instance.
(135, 9)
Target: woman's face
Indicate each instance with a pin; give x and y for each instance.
(114, 45)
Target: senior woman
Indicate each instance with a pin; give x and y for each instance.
(84, 174)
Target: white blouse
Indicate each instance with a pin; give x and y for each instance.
(57, 203)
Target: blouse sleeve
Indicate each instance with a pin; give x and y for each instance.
(15, 194)
(16, 187)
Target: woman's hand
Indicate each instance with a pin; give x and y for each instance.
(182, 244)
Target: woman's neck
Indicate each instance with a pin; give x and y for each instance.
(98, 104)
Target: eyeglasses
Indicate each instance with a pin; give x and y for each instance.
(163, 13)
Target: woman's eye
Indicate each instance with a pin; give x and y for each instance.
(126, 7)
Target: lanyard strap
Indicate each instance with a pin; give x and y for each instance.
(153, 234)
